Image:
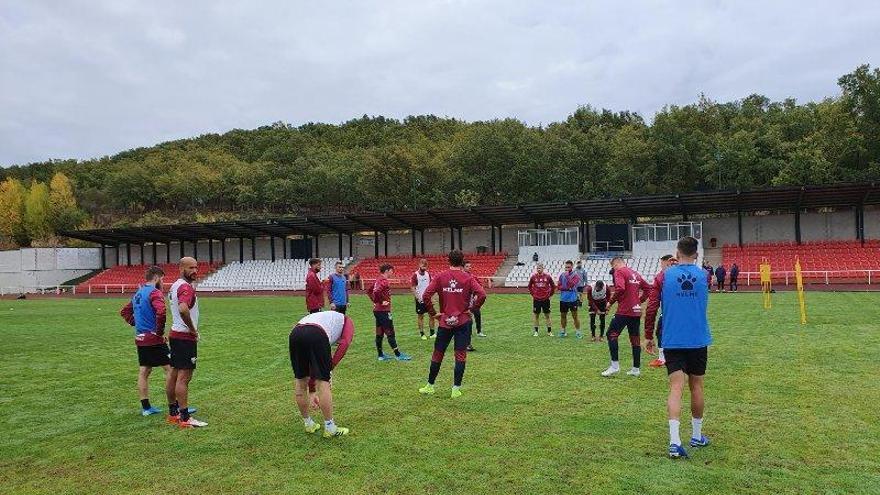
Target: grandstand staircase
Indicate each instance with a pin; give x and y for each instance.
(505, 269)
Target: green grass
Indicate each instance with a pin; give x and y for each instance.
(790, 409)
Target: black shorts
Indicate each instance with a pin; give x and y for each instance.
(184, 354)
(154, 355)
(310, 353)
(341, 308)
(421, 308)
(690, 361)
(565, 307)
(601, 305)
(580, 289)
(541, 306)
(384, 320)
(619, 322)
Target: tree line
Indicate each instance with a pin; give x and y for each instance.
(427, 161)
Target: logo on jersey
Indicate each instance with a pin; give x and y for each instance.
(453, 287)
(686, 283)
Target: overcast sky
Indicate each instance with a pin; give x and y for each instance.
(80, 79)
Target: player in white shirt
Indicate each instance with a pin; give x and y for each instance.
(184, 340)
(419, 282)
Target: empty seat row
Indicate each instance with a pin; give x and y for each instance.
(285, 274)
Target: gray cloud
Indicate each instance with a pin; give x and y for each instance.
(89, 78)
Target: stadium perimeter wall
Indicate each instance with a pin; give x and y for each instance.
(41, 267)
(839, 224)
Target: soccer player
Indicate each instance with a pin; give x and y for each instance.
(568, 299)
(597, 297)
(459, 294)
(541, 287)
(309, 344)
(666, 261)
(314, 287)
(419, 282)
(582, 281)
(146, 313)
(337, 289)
(684, 298)
(477, 312)
(720, 274)
(184, 341)
(630, 291)
(734, 276)
(380, 294)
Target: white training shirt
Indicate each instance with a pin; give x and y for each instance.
(422, 282)
(331, 322)
(177, 323)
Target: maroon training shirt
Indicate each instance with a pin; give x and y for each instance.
(380, 293)
(314, 291)
(459, 293)
(542, 287)
(630, 291)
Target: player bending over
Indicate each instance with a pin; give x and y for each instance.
(459, 294)
(597, 297)
(630, 291)
(541, 287)
(146, 313)
(380, 294)
(568, 299)
(684, 299)
(309, 345)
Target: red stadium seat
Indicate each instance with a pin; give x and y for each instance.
(123, 278)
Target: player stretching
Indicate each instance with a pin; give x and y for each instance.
(380, 294)
(337, 289)
(146, 313)
(314, 287)
(184, 341)
(684, 297)
(568, 300)
(419, 282)
(309, 344)
(459, 294)
(630, 291)
(541, 287)
(597, 297)
(666, 261)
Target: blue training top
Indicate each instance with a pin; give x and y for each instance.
(684, 302)
(568, 287)
(338, 294)
(144, 313)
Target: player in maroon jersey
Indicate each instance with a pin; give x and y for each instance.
(380, 294)
(541, 287)
(314, 287)
(459, 293)
(630, 291)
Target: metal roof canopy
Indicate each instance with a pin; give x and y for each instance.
(691, 203)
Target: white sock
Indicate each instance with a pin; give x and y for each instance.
(615, 365)
(330, 426)
(660, 355)
(674, 438)
(308, 421)
(697, 425)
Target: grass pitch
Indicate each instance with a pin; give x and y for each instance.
(790, 408)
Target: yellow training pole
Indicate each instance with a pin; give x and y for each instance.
(800, 290)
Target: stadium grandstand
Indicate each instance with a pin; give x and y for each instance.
(127, 278)
(832, 229)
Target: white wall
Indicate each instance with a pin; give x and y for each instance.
(30, 269)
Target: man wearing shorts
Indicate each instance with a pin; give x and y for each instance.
(630, 291)
(184, 341)
(309, 345)
(146, 313)
(419, 282)
(337, 289)
(459, 294)
(380, 294)
(597, 297)
(541, 287)
(582, 281)
(684, 299)
(666, 261)
(569, 299)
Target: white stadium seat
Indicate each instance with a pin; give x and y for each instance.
(597, 269)
(285, 274)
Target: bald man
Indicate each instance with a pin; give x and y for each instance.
(184, 341)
